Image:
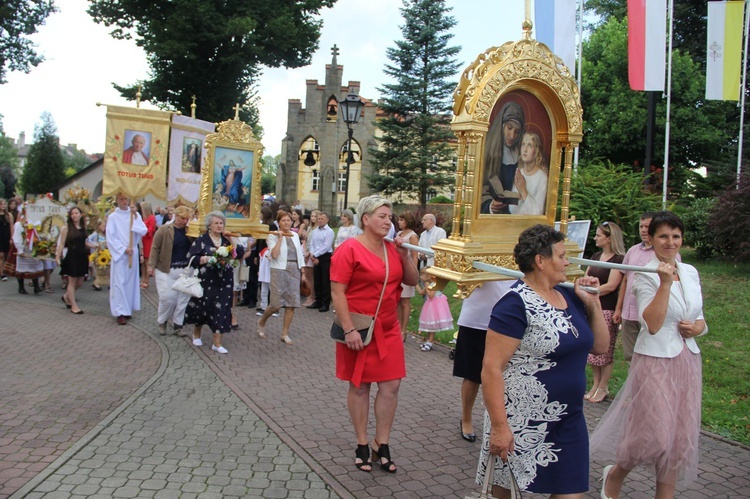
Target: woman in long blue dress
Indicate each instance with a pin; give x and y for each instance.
(534, 372)
(214, 308)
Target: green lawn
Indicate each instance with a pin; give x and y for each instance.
(725, 349)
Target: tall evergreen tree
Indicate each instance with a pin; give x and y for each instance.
(414, 155)
(45, 167)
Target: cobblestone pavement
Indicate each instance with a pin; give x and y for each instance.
(164, 419)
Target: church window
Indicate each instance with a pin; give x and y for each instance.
(315, 180)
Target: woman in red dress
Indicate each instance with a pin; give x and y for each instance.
(358, 270)
(150, 220)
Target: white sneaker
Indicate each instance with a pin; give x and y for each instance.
(275, 314)
(219, 349)
(427, 347)
(197, 342)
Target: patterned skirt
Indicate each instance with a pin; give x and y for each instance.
(285, 287)
(666, 393)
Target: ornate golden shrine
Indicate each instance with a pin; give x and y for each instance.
(529, 74)
(230, 179)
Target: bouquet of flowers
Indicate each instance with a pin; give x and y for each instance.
(223, 257)
(101, 259)
(44, 248)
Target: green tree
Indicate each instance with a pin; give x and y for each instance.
(45, 167)
(602, 191)
(615, 116)
(269, 165)
(8, 163)
(213, 50)
(414, 156)
(18, 19)
(75, 162)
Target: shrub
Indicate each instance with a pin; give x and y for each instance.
(729, 222)
(440, 200)
(697, 232)
(602, 191)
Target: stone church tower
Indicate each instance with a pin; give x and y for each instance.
(313, 153)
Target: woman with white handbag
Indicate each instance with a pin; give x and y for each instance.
(167, 262)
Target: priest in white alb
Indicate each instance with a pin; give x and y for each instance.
(124, 283)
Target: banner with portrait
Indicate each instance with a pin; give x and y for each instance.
(187, 155)
(135, 157)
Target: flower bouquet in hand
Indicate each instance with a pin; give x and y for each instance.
(223, 257)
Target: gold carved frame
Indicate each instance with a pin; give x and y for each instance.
(236, 137)
(529, 66)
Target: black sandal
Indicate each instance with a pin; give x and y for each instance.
(383, 452)
(363, 454)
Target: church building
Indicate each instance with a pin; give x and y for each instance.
(314, 151)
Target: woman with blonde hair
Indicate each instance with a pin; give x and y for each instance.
(531, 177)
(360, 269)
(167, 261)
(608, 238)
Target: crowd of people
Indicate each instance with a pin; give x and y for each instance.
(525, 343)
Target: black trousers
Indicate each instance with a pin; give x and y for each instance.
(322, 275)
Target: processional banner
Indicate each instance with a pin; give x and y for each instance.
(187, 155)
(135, 158)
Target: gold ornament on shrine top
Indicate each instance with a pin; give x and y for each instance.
(230, 180)
(517, 120)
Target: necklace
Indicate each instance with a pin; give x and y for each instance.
(215, 240)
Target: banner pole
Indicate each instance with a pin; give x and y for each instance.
(665, 170)
(742, 97)
(580, 70)
(130, 233)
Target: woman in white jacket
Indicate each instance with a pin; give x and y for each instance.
(286, 261)
(655, 419)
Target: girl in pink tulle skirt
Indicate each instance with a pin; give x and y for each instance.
(655, 419)
(436, 313)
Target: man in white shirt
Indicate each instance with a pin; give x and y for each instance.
(431, 235)
(125, 292)
(320, 246)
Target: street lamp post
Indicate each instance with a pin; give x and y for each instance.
(350, 107)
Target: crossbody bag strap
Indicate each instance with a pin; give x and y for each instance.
(385, 282)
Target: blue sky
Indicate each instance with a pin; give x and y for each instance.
(83, 61)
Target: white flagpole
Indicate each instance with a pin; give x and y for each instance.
(580, 67)
(742, 95)
(665, 170)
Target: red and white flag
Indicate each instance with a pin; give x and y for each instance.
(647, 44)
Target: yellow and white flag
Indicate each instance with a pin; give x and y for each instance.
(724, 57)
(135, 157)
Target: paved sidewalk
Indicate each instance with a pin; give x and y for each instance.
(134, 414)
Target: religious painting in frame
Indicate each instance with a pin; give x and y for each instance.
(516, 156)
(517, 119)
(230, 180)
